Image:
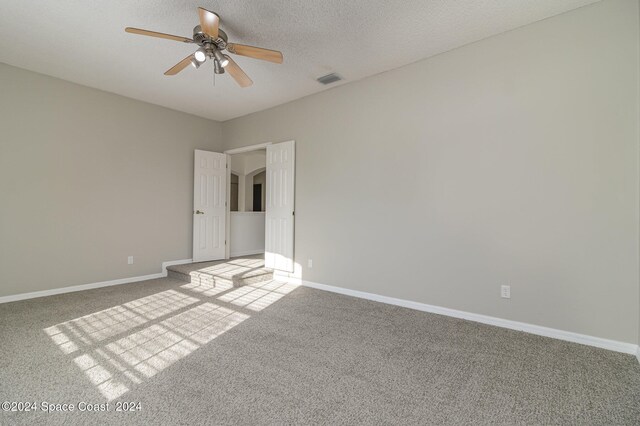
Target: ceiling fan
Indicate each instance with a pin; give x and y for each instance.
(213, 41)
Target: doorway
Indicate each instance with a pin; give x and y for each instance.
(247, 215)
(261, 187)
(277, 191)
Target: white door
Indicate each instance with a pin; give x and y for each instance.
(209, 210)
(280, 206)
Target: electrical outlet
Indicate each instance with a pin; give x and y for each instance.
(130, 260)
(310, 263)
(505, 292)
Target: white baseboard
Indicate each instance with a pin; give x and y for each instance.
(613, 345)
(43, 293)
(71, 289)
(173, 262)
(245, 253)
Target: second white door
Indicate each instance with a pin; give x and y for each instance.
(280, 206)
(209, 210)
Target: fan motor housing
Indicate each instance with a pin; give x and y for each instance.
(201, 38)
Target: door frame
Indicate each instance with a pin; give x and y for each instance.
(229, 153)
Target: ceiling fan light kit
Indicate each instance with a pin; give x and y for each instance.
(213, 41)
(218, 68)
(220, 58)
(200, 55)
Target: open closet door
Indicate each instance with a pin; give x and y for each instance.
(209, 206)
(280, 206)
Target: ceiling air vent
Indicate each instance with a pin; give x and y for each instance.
(329, 78)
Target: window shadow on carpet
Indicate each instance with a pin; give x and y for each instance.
(125, 345)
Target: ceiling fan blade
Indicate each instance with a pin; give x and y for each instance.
(156, 34)
(179, 66)
(209, 22)
(255, 52)
(238, 75)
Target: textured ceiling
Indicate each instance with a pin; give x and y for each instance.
(84, 42)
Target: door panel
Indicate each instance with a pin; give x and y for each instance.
(209, 210)
(280, 206)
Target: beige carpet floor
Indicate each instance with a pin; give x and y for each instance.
(270, 353)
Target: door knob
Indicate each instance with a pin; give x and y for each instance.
(199, 212)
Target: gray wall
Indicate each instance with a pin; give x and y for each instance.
(513, 160)
(88, 178)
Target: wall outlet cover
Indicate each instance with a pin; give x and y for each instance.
(505, 292)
